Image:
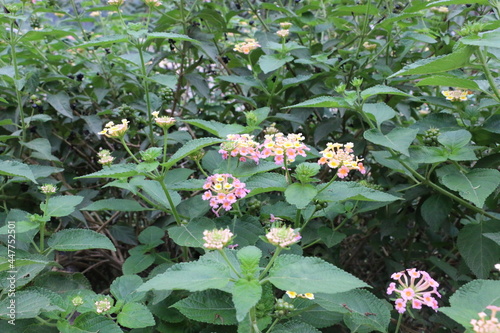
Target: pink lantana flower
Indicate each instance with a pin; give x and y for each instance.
(414, 287)
(283, 147)
(223, 190)
(340, 156)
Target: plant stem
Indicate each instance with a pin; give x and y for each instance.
(124, 144)
(399, 323)
(13, 43)
(272, 325)
(170, 201)
(146, 91)
(253, 319)
(224, 255)
(327, 185)
(487, 72)
(271, 262)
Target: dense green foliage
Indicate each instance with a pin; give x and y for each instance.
(112, 216)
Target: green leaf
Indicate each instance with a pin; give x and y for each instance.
(79, 239)
(454, 139)
(103, 41)
(174, 36)
(137, 263)
(398, 139)
(475, 185)
(491, 235)
(41, 149)
(191, 234)
(120, 205)
(428, 155)
(62, 205)
(480, 253)
(151, 235)
(295, 327)
(193, 276)
(189, 148)
(14, 168)
(92, 322)
(210, 306)
(300, 195)
(155, 191)
(471, 299)
(448, 80)
(244, 80)
(382, 90)
(28, 304)
(294, 81)
(135, 315)
(341, 191)
(363, 312)
(34, 35)
(114, 171)
(435, 210)
(124, 288)
(216, 128)
(249, 258)
(165, 80)
(321, 102)
(246, 293)
(266, 182)
(311, 275)
(60, 102)
(458, 59)
(269, 63)
(380, 111)
(492, 124)
(488, 38)
(330, 237)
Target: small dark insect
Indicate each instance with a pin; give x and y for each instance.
(218, 316)
(345, 306)
(370, 314)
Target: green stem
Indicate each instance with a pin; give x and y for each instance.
(124, 144)
(13, 43)
(298, 216)
(42, 236)
(272, 325)
(170, 201)
(146, 91)
(399, 323)
(327, 185)
(256, 13)
(271, 262)
(201, 168)
(165, 139)
(224, 255)
(488, 74)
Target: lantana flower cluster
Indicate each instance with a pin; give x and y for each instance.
(241, 146)
(281, 146)
(485, 325)
(103, 305)
(414, 287)
(283, 236)
(293, 294)
(223, 190)
(216, 239)
(456, 95)
(115, 131)
(338, 155)
(105, 157)
(247, 46)
(163, 121)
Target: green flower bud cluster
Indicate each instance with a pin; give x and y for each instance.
(430, 136)
(151, 154)
(166, 94)
(251, 119)
(321, 205)
(126, 111)
(282, 308)
(254, 205)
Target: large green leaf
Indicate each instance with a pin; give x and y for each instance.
(114, 171)
(171, 35)
(79, 239)
(398, 139)
(363, 312)
(210, 306)
(269, 63)
(189, 148)
(266, 182)
(135, 315)
(192, 276)
(62, 205)
(121, 205)
(311, 275)
(458, 59)
(41, 149)
(154, 190)
(471, 299)
(216, 128)
(447, 81)
(488, 38)
(14, 168)
(380, 111)
(382, 90)
(124, 288)
(479, 252)
(295, 327)
(61, 103)
(191, 234)
(300, 195)
(103, 41)
(92, 322)
(246, 293)
(322, 102)
(340, 191)
(475, 185)
(28, 304)
(137, 263)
